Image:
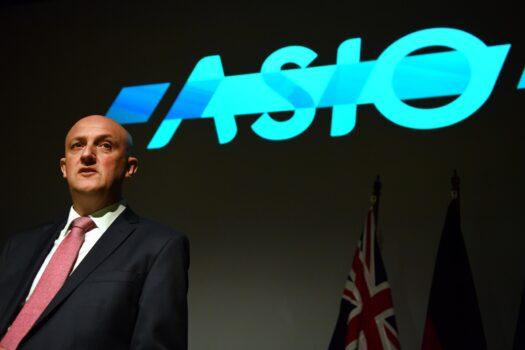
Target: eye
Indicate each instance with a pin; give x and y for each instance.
(76, 145)
(106, 145)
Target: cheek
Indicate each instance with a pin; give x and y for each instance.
(112, 167)
(70, 166)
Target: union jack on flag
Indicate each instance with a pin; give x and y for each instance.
(366, 317)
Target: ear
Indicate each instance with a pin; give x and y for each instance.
(131, 166)
(63, 167)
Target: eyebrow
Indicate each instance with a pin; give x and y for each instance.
(97, 138)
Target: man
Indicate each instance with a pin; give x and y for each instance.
(103, 278)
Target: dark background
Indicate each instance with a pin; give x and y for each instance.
(273, 225)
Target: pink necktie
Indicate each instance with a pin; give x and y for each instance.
(52, 279)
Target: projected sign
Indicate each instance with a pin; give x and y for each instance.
(469, 71)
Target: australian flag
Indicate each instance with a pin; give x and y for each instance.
(366, 317)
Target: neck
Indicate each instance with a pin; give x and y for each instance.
(86, 204)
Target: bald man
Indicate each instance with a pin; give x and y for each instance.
(102, 277)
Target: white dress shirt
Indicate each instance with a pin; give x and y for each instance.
(102, 219)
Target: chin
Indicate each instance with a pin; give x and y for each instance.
(87, 191)
(86, 188)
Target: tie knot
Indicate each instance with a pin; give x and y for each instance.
(84, 223)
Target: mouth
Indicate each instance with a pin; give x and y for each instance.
(86, 171)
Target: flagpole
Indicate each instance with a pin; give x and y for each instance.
(374, 199)
(454, 181)
(376, 194)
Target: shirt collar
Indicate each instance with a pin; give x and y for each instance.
(103, 218)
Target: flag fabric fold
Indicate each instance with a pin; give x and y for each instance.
(453, 319)
(366, 318)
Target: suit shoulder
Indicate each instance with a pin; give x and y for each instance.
(159, 231)
(29, 235)
(34, 231)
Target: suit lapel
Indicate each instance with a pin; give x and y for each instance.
(42, 247)
(123, 226)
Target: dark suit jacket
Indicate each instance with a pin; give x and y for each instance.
(129, 292)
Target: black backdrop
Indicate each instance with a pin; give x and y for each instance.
(273, 225)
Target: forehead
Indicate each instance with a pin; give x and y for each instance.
(95, 127)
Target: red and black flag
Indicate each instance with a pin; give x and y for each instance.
(519, 338)
(453, 318)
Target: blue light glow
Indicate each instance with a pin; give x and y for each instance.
(136, 104)
(521, 84)
(469, 70)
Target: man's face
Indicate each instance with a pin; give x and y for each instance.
(96, 160)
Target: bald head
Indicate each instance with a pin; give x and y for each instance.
(97, 159)
(100, 121)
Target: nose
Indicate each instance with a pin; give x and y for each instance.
(88, 155)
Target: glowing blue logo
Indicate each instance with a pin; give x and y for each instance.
(468, 71)
(521, 84)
